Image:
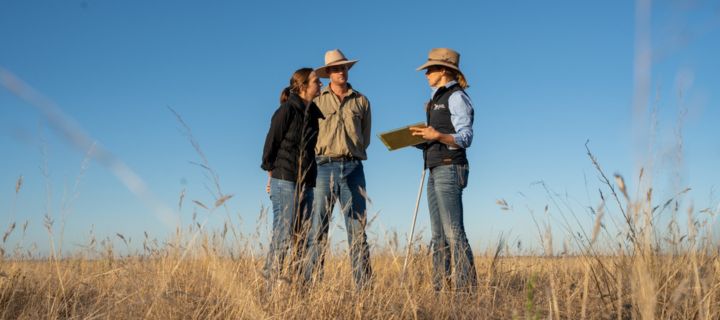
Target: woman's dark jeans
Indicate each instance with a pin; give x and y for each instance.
(291, 219)
(451, 254)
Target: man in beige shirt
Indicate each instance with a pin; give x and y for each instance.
(341, 146)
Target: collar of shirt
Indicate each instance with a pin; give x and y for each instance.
(447, 85)
(327, 90)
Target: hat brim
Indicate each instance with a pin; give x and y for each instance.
(439, 63)
(322, 72)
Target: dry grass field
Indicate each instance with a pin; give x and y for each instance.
(191, 279)
(624, 266)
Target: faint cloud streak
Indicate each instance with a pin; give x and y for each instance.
(71, 132)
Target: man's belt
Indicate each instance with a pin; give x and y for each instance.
(324, 159)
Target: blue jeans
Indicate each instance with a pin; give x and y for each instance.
(344, 181)
(451, 254)
(291, 219)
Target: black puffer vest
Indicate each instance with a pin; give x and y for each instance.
(290, 146)
(437, 153)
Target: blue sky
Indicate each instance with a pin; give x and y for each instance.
(545, 77)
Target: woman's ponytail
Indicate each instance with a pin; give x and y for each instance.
(457, 76)
(461, 81)
(284, 95)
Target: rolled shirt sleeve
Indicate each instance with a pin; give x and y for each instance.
(461, 116)
(367, 125)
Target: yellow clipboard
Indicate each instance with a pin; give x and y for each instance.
(401, 137)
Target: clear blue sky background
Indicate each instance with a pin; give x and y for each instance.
(545, 77)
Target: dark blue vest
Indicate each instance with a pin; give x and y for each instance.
(437, 153)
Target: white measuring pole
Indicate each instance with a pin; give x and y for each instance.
(412, 228)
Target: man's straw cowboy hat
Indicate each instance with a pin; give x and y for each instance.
(333, 58)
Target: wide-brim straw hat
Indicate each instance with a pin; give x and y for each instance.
(333, 58)
(445, 57)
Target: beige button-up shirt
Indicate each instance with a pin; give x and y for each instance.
(346, 128)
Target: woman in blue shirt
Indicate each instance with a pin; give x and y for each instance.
(448, 133)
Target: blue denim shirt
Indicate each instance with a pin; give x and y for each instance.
(461, 116)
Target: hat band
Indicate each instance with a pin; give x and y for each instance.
(336, 61)
(443, 60)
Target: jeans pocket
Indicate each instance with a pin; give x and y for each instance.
(462, 171)
(321, 160)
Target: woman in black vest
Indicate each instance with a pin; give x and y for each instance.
(289, 159)
(448, 134)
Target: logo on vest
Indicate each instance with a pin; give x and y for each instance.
(439, 107)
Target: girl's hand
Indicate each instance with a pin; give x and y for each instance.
(267, 186)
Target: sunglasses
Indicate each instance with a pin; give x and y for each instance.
(430, 70)
(337, 69)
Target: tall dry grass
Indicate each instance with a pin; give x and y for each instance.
(210, 286)
(649, 274)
